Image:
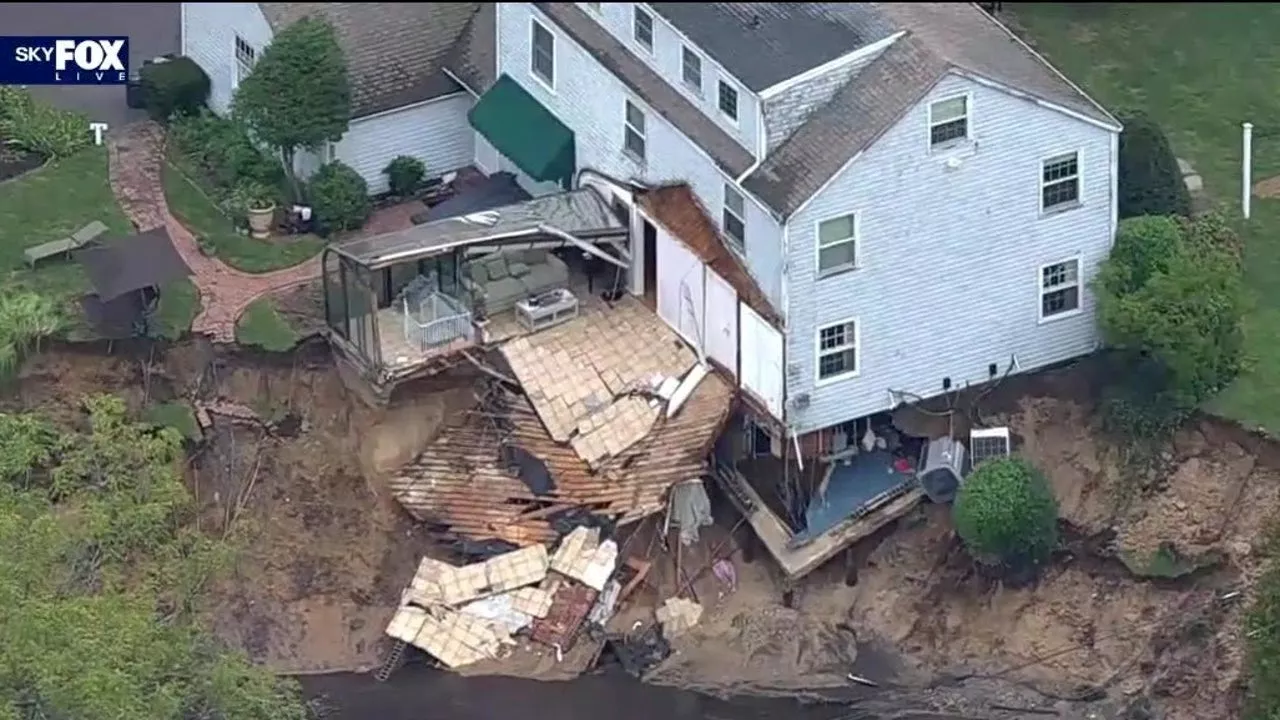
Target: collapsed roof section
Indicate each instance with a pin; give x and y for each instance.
(574, 217)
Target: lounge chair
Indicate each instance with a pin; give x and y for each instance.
(66, 245)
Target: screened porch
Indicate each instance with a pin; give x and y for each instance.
(396, 317)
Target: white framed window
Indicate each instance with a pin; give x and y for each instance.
(949, 122)
(633, 129)
(838, 346)
(642, 28)
(246, 58)
(837, 244)
(542, 54)
(734, 216)
(691, 69)
(727, 99)
(1060, 289)
(1060, 182)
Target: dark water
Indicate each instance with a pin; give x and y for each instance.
(418, 692)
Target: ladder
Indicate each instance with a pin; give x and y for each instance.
(392, 661)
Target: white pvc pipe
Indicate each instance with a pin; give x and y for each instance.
(1246, 170)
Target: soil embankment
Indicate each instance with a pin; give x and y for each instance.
(298, 479)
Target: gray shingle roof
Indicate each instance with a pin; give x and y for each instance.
(473, 59)
(941, 38)
(656, 92)
(395, 51)
(762, 44)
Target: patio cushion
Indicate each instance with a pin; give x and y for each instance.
(546, 276)
(496, 264)
(517, 269)
(477, 272)
(503, 294)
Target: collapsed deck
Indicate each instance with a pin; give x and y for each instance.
(584, 432)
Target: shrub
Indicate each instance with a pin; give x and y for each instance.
(39, 128)
(339, 198)
(404, 174)
(1170, 299)
(1150, 182)
(175, 87)
(1005, 512)
(223, 150)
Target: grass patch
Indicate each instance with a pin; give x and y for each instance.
(179, 306)
(194, 206)
(176, 415)
(48, 204)
(1168, 563)
(261, 326)
(1170, 60)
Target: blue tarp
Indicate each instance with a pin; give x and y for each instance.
(849, 489)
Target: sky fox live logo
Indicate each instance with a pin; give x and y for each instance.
(64, 60)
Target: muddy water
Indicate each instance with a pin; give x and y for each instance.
(417, 692)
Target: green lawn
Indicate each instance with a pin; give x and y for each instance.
(54, 202)
(1200, 69)
(49, 204)
(193, 205)
(262, 326)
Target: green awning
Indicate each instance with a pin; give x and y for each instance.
(525, 131)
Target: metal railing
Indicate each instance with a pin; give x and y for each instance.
(435, 320)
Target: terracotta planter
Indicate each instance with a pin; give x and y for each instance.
(260, 221)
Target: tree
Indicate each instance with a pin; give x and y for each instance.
(298, 95)
(1150, 182)
(1171, 298)
(98, 574)
(1006, 513)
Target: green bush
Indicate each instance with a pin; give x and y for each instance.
(175, 87)
(1150, 182)
(339, 198)
(404, 174)
(1006, 513)
(223, 150)
(37, 127)
(1171, 299)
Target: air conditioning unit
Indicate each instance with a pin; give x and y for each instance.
(988, 443)
(800, 401)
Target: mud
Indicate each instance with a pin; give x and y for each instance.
(1106, 627)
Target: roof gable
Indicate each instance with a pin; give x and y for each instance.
(941, 38)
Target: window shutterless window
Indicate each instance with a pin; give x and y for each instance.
(542, 56)
(1059, 288)
(691, 69)
(838, 350)
(728, 100)
(633, 138)
(1060, 182)
(733, 218)
(949, 122)
(246, 56)
(837, 244)
(642, 28)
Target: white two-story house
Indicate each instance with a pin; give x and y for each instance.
(919, 197)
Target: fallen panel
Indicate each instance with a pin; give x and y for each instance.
(569, 608)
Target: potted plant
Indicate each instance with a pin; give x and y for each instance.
(259, 205)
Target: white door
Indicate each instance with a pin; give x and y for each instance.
(680, 293)
(722, 322)
(761, 352)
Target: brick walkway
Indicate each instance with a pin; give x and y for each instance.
(137, 154)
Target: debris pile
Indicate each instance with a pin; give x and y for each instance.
(464, 614)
